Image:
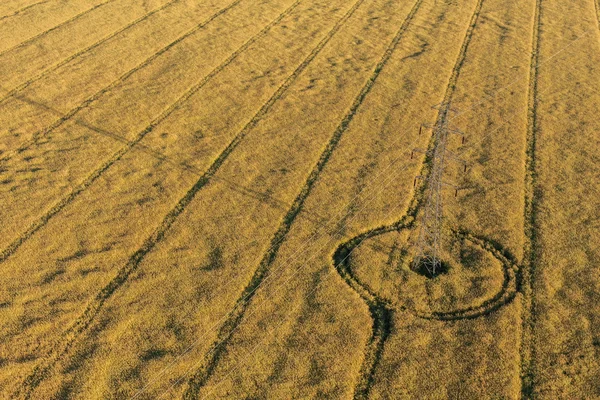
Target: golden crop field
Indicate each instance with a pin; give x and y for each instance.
(230, 199)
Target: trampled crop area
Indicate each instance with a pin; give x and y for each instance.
(225, 198)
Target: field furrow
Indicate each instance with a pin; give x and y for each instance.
(32, 113)
(289, 48)
(27, 26)
(375, 206)
(138, 105)
(200, 377)
(14, 245)
(382, 313)
(11, 8)
(281, 273)
(28, 64)
(530, 216)
(80, 152)
(327, 64)
(564, 320)
(244, 199)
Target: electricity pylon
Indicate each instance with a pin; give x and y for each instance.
(428, 253)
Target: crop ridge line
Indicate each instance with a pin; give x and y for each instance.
(13, 247)
(270, 276)
(530, 217)
(509, 264)
(74, 18)
(67, 116)
(380, 311)
(80, 325)
(200, 377)
(53, 68)
(264, 110)
(19, 11)
(278, 289)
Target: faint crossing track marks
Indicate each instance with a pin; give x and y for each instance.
(19, 11)
(379, 308)
(74, 18)
(530, 217)
(233, 319)
(80, 325)
(36, 226)
(67, 116)
(53, 68)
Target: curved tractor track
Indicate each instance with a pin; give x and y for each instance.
(382, 309)
(81, 324)
(201, 375)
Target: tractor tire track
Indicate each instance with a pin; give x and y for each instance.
(505, 294)
(380, 310)
(19, 11)
(80, 325)
(47, 31)
(53, 68)
(233, 319)
(530, 217)
(13, 247)
(40, 223)
(59, 122)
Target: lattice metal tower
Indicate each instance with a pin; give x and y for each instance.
(428, 252)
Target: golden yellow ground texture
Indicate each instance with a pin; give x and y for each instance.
(216, 199)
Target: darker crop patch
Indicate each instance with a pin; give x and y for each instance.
(424, 270)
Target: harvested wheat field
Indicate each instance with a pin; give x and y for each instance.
(300, 199)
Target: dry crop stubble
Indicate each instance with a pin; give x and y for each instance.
(265, 314)
(565, 340)
(71, 146)
(143, 197)
(264, 269)
(95, 73)
(301, 333)
(448, 351)
(26, 64)
(27, 25)
(304, 23)
(589, 388)
(189, 225)
(513, 387)
(85, 206)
